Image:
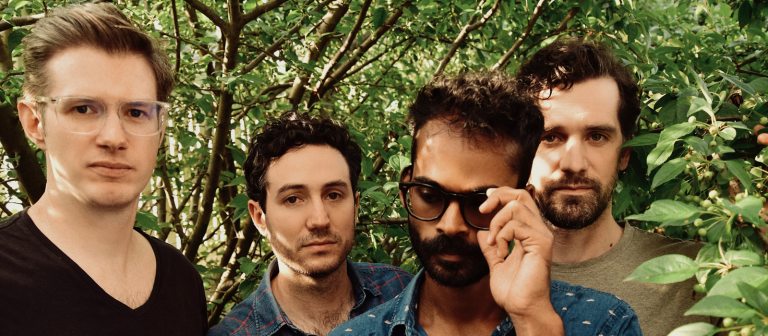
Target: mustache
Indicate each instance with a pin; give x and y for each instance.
(569, 180)
(319, 235)
(444, 244)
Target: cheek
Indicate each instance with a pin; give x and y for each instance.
(540, 170)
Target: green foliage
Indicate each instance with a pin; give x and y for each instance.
(695, 172)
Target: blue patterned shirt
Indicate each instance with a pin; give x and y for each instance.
(260, 314)
(584, 312)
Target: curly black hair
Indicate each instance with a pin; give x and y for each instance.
(482, 106)
(294, 130)
(570, 61)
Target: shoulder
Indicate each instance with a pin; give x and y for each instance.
(381, 274)
(656, 244)
(586, 311)
(8, 223)
(238, 320)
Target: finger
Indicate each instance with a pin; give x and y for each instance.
(489, 252)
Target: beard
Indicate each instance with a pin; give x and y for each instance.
(574, 212)
(470, 269)
(316, 267)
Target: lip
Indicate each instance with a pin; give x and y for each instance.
(320, 243)
(110, 168)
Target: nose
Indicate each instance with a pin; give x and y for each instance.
(112, 135)
(452, 222)
(573, 157)
(319, 218)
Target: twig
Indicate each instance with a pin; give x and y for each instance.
(474, 24)
(6, 24)
(504, 60)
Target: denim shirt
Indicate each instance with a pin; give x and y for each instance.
(584, 312)
(260, 314)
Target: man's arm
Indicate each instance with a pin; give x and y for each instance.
(520, 278)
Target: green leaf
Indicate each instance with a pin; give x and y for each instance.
(667, 210)
(668, 171)
(728, 133)
(676, 131)
(754, 276)
(379, 15)
(642, 140)
(743, 258)
(720, 306)
(659, 155)
(664, 269)
(736, 81)
(737, 168)
(694, 329)
(755, 297)
(147, 221)
(745, 14)
(750, 209)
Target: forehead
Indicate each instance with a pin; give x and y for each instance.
(309, 165)
(444, 155)
(90, 71)
(591, 102)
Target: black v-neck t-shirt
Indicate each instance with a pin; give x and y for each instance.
(44, 292)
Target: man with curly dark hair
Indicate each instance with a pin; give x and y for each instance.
(474, 138)
(301, 175)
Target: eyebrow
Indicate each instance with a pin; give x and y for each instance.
(477, 189)
(590, 128)
(297, 186)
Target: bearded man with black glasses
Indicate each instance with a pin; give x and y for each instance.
(72, 263)
(473, 142)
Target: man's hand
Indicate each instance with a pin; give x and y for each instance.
(520, 279)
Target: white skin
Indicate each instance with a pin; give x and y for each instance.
(94, 180)
(518, 283)
(582, 136)
(310, 222)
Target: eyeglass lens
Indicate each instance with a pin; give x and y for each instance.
(429, 203)
(85, 115)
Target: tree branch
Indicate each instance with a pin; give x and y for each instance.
(346, 44)
(340, 72)
(19, 21)
(177, 36)
(210, 14)
(504, 60)
(14, 141)
(328, 24)
(277, 45)
(260, 10)
(473, 24)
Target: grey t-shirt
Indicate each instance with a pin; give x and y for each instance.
(660, 308)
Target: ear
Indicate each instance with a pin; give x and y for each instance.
(259, 217)
(357, 205)
(31, 121)
(624, 158)
(405, 176)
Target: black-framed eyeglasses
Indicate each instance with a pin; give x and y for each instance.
(428, 202)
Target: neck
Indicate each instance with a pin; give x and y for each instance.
(77, 227)
(469, 310)
(574, 246)
(315, 305)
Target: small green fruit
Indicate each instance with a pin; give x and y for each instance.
(763, 120)
(692, 119)
(698, 222)
(705, 203)
(746, 331)
(708, 174)
(728, 322)
(733, 333)
(713, 194)
(702, 232)
(699, 288)
(713, 130)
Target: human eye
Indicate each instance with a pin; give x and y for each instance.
(335, 195)
(550, 138)
(139, 111)
(79, 106)
(428, 195)
(291, 200)
(597, 137)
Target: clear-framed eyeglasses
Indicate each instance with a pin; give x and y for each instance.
(86, 115)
